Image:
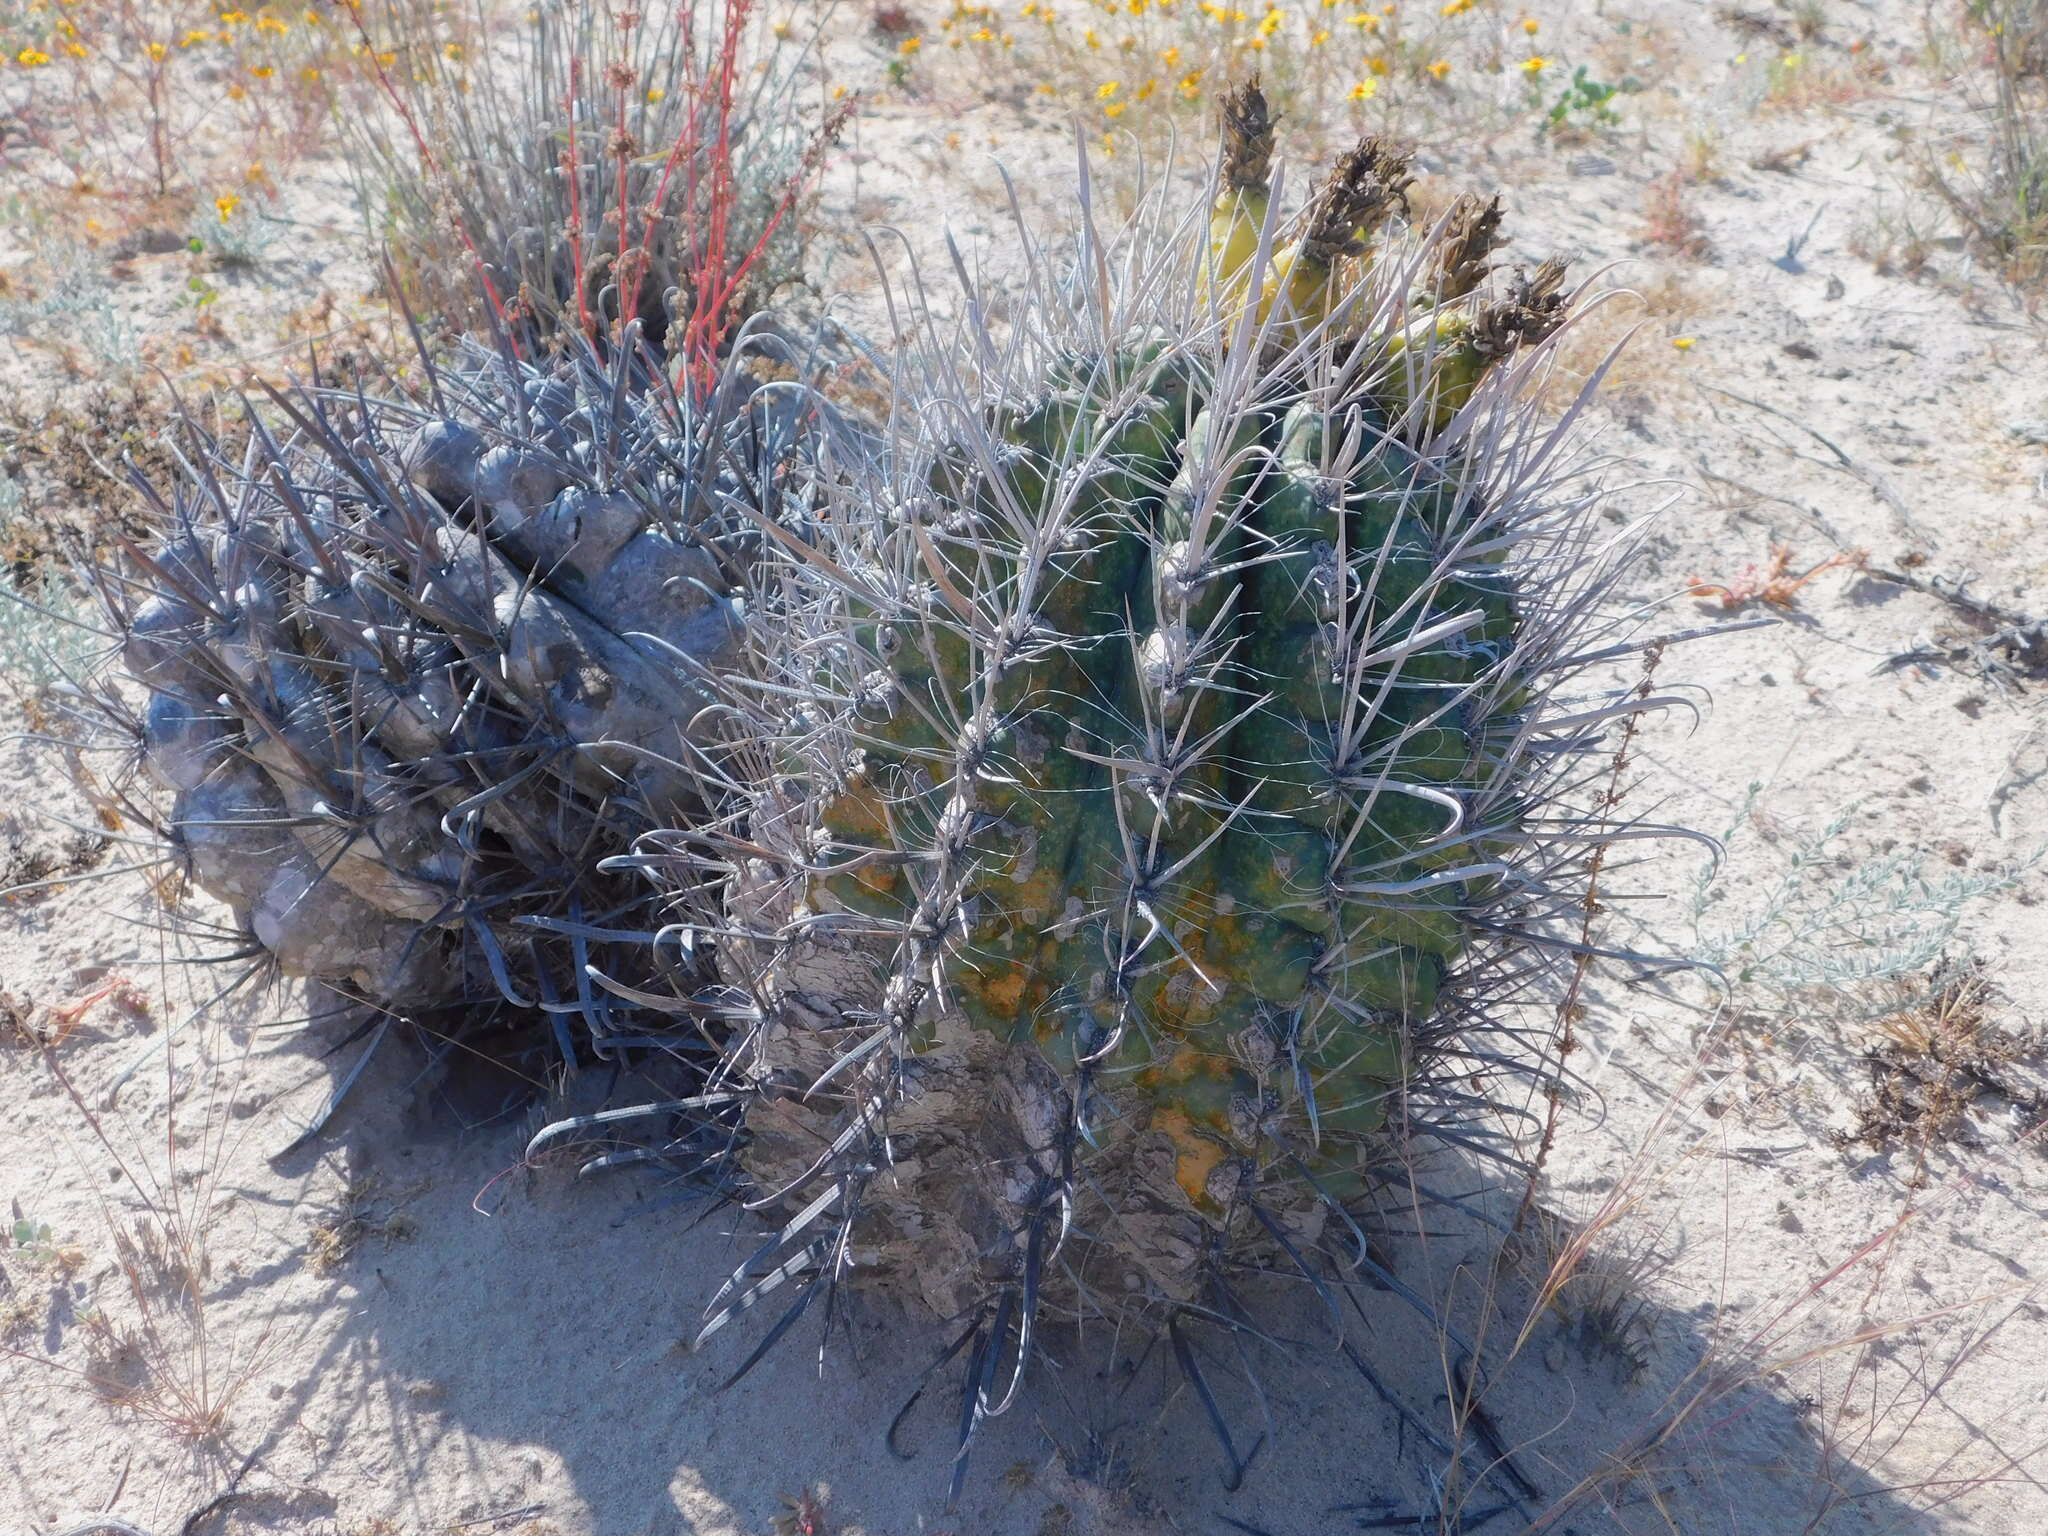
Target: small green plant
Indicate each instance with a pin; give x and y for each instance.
(43, 633)
(198, 293)
(1828, 919)
(74, 315)
(232, 233)
(34, 1241)
(1583, 103)
(35, 1244)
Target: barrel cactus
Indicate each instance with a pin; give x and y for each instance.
(1162, 744)
(412, 663)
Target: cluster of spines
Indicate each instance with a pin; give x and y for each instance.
(1162, 716)
(1180, 723)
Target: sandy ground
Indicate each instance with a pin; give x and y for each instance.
(1778, 1329)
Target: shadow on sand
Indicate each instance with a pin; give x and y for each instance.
(529, 1369)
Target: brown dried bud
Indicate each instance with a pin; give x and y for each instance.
(1247, 137)
(1534, 307)
(1361, 189)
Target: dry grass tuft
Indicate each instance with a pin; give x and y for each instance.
(1941, 1063)
(1997, 191)
(352, 1224)
(1669, 222)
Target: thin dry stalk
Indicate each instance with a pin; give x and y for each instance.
(162, 1354)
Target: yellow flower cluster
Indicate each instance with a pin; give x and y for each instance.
(1092, 57)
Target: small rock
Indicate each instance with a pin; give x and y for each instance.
(1591, 165)
(2033, 433)
(153, 241)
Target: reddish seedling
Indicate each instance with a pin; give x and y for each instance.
(1773, 581)
(68, 1016)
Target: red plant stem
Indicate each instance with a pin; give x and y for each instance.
(575, 199)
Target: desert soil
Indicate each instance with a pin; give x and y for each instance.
(1798, 1313)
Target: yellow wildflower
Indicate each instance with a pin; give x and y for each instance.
(31, 58)
(1535, 64)
(1440, 68)
(225, 205)
(909, 45)
(1107, 89)
(157, 51)
(1531, 25)
(1682, 342)
(1365, 90)
(262, 71)
(1114, 109)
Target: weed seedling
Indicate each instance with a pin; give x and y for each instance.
(1583, 104)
